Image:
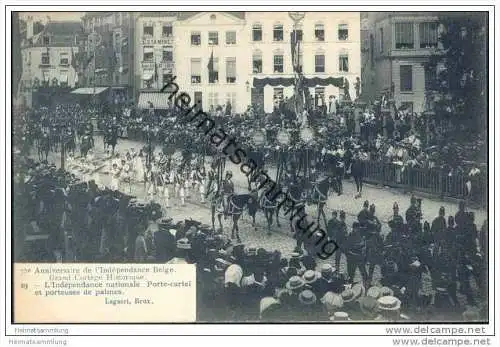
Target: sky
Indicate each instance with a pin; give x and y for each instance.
(54, 16)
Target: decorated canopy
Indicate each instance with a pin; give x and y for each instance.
(290, 81)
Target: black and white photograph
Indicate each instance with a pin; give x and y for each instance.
(323, 166)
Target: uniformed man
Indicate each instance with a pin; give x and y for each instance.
(228, 191)
(413, 216)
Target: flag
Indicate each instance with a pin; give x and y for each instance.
(210, 65)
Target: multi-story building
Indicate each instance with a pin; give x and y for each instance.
(398, 46)
(329, 46)
(154, 49)
(47, 56)
(221, 40)
(109, 39)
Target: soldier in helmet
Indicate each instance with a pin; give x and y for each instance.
(413, 216)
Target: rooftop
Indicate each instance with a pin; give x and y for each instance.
(63, 28)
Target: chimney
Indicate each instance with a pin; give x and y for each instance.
(29, 27)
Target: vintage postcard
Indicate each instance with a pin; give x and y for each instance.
(325, 166)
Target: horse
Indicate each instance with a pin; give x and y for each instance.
(295, 191)
(44, 146)
(86, 145)
(237, 204)
(110, 139)
(269, 207)
(319, 196)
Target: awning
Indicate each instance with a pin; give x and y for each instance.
(89, 91)
(159, 100)
(147, 76)
(287, 82)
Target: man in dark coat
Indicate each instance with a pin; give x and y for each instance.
(356, 253)
(357, 171)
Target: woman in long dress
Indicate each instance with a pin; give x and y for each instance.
(139, 163)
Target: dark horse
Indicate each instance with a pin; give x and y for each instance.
(319, 196)
(237, 204)
(110, 139)
(297, 193)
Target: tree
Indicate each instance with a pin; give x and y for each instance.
(461, 85)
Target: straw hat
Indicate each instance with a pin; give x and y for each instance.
(295, 282)
(340, 317)
(369, 306)
(233, 274)
(268, 303)
(310, 276)
(307, 297)
(389, 303)
(327, 269)
(332, 301)
(373, 292)
(183, 244)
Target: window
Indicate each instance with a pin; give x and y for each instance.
(63, 78)
(319, 32)
(46, 40)
(214, 75)
(257, 32)
(230, 37)
(430, 78)
(319, 63)
(343, 32)
(278, 93)
(64, 58)
(213, 100)
(148, 30)
(278, 32)
(231, 98)
(167, 30)
(45, 58)
(428, 33)
(343, 62)
(148, 53)
(168, 55)
(257, 62)
(195, 39)
(231, 70)
(213, 38)
(405, 78)
(381, 40)
(404, 35)
(278, 63)
(195, 70)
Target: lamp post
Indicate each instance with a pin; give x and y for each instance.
(296, 17)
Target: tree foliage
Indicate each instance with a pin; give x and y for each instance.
(461, 86)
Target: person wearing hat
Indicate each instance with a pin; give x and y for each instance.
(350, 297)
(413, 216)
(340, 317)
(369, 309)
(333, 302)
(141, 249)
(228, 191)
(164, 240)
(356, 253)
(396, 224)
(311, 278)
(364, 215)
(439, 223)
(270, 310)
(309, 309)
(182, 253)
(389, 308)
(340, 237)
(357, 171)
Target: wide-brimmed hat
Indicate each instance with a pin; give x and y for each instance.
(183, 244)
(233, 274)
(389, 303)
(373, 292)
(369, 306)
(295, 282)
(295, 255)
(310, 276)
(340, 317)
(268, 303)
(307, 297)
(332, 301)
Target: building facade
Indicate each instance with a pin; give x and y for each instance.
(48, 57)
(154, 49)
(329, 47)
(399, 45)
(221, 40)
(109, 58)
